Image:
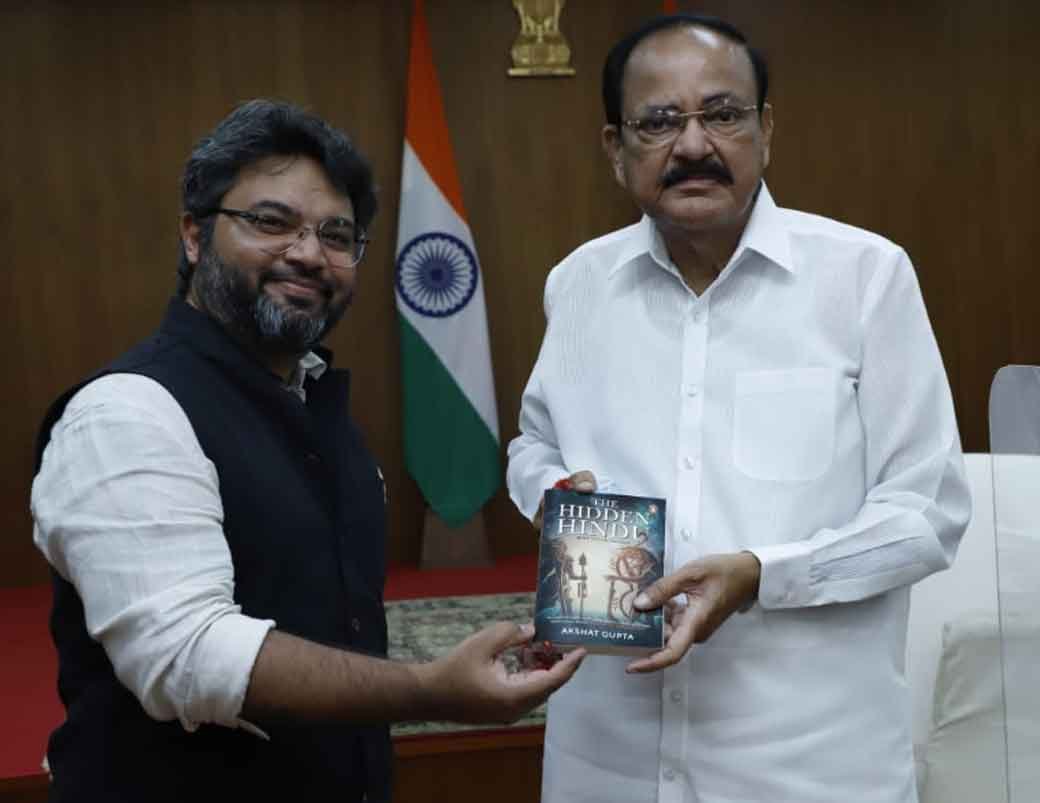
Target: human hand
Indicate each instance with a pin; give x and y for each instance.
(714, 587)
(473, 684)
(580, 481)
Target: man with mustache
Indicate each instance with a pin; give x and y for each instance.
(216, 524)
(774, 375)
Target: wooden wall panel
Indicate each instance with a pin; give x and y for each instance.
(920, 121)
(916, 120)
(109, 101)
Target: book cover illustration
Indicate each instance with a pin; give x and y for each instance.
(597, 551)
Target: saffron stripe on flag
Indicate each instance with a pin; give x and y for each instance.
(426, 127)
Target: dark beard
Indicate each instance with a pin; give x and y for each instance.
(253, 316)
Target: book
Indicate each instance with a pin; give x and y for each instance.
(596, 553)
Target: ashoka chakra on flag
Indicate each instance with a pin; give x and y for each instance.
(436, 274)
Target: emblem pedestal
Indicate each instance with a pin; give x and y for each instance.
(444, 546)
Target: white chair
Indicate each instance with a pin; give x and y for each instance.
(973, 644)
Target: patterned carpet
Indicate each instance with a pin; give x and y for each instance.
(422, 629)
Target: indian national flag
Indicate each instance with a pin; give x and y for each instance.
(450, 419)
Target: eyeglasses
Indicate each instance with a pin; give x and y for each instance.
(276, 232)
(663, 127)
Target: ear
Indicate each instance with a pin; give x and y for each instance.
(610, 137)
(767, 133)
(189, 230)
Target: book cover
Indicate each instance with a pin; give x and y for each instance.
(596, 553)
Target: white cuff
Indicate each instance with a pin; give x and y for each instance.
(222, 662)
(784, 581)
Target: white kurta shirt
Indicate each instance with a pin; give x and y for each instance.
(797, 408)
(126, 507)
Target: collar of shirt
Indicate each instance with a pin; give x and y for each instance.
(765, 234)
(310, 365)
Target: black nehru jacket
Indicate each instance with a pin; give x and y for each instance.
(304, 519)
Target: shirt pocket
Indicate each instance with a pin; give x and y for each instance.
(783, 424)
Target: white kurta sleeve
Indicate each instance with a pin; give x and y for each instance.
(535, 462)
(918, 503)
(534, 459)
(127, 508)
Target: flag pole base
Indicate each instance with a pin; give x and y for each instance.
(444, 546)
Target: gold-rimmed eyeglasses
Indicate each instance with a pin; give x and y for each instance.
(277, 231)
(664, 126)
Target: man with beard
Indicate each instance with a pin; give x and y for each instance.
(774, 375)
(216, 524)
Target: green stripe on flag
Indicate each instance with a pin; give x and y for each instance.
(447, 446)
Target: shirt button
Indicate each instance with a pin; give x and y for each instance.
(689, 461)
(685, 533)
(356, 624)
(698, 316)
(692, 390)
(312, 458)
(676, 696)
(669, 774)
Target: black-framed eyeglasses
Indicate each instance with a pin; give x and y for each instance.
(724, 120)
(276, 232)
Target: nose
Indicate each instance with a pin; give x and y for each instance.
(693, 142)
(306, 250)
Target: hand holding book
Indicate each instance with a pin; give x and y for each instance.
(473, 683)
(581, 481)
(714, 587)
